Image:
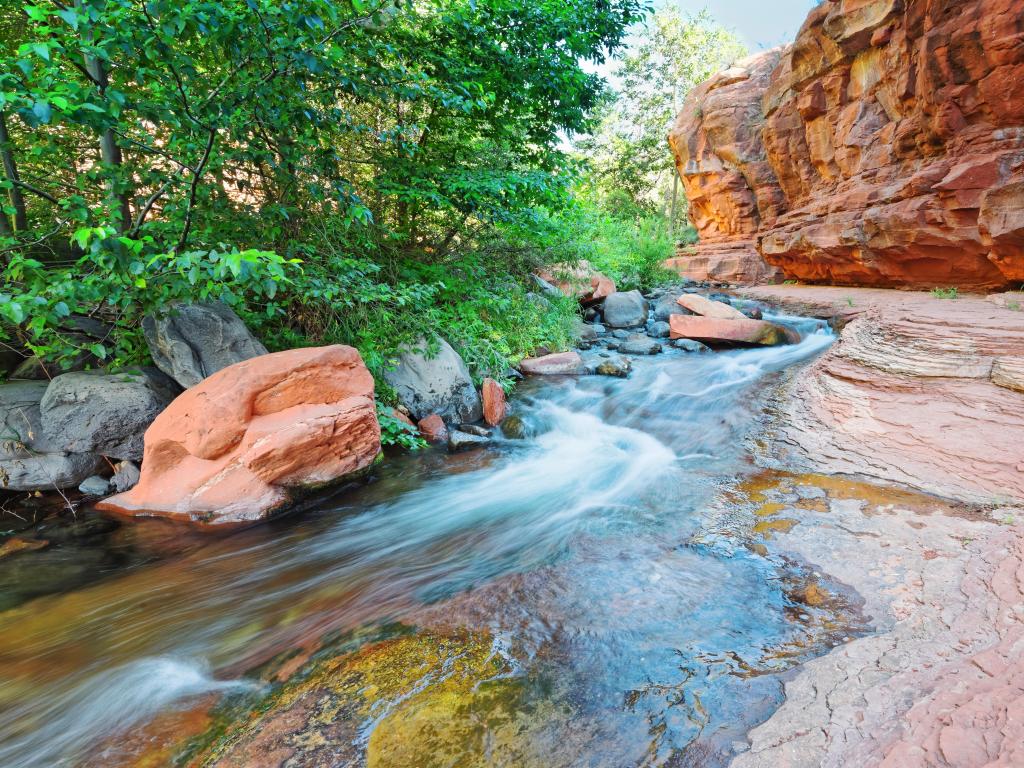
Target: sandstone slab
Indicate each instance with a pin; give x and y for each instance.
(717, 331)
(883, 148)
(705, 307)
(242, 443)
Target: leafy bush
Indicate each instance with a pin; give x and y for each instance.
(394, 431)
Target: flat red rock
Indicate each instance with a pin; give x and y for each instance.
(714, 330)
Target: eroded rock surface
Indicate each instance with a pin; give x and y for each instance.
(435, 381)
(237, 446)
(941, 681)
(885, 147)
(913, 392)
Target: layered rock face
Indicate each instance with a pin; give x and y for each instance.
(728, 181)
(885, 147)
(922, 391)
(236, 447)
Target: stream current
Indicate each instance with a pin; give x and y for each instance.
(580, 554)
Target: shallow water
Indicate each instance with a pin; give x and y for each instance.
(575, 553)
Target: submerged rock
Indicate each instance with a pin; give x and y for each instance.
(614, 366)
(189, 342)
(438, 383)
(104, 413)
(514, 428)
(238, 446)
(659, 330)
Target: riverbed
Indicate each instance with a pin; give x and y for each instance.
(594, 594)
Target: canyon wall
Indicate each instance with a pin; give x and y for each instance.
(885, 147)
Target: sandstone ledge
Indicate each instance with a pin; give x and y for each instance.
(916, 391)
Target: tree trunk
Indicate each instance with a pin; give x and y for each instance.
(110, 152)
(11, 172)
(675, 197)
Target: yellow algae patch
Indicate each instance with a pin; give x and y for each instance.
(780, 524)
(415, 700)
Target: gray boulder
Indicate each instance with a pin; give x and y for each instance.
(104, 413)
(614, 366)
(29, 461)
(625, 309)
(639, 344)
(666, 306)
(96, 485)
(460, 441)
(189, 342)
(439, 384)
(659, 330)
(689, 345)
(126, 476)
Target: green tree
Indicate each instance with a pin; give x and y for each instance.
(666, 59)
(317, 164)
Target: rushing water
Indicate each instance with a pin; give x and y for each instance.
(574, 548)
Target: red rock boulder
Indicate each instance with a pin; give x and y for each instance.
(494, 402)
(433, 429)
(239, 445)
(713, 330)
(705, 307)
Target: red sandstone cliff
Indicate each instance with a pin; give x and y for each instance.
(884, 147)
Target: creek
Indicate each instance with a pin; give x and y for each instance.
(620, 629)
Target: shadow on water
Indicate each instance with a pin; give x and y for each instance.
(570, 548)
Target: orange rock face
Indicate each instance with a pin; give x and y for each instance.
(885, 147)
(238, 445)
(494, 402)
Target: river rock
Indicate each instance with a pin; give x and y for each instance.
(689, 345)
(433, 429)
(493, 396)
(625, 310)
(104, 413)
(240, 445)
(438, 383)
(666, 305)
(96, 485)
(716, 331)
(704, 307)
(126, 476)
(639, 344)
(460, 441)
(189, 342)
(474, 429)
(659, 330)
(560, 363)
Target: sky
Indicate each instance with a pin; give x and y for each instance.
(762, 24)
